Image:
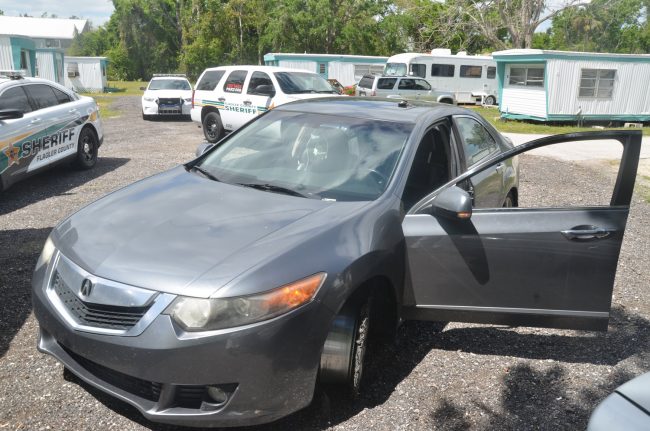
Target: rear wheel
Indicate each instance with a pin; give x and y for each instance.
(344, 352)
(212, 127)
(490, 101)
(510, 201)
(87, 149)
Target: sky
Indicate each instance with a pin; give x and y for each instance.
(97, 11)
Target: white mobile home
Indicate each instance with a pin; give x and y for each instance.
(347, 69)
(86, 74)
(472, 78)
(570, 86)
(22, 53)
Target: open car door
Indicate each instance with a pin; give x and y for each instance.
(549, 267)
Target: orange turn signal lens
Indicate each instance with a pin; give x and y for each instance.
(294, 294)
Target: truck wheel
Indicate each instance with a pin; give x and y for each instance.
(490, 101)
(344, 351)
(212, 127)
(87, 147)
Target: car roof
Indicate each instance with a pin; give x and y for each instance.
(260, 69)
(6, 82)
(183, 78)
(375, 108)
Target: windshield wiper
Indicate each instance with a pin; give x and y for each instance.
(275, 189)
(204, 172)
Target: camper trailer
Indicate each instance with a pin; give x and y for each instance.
(472, 78)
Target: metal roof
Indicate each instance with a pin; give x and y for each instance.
(45, 28)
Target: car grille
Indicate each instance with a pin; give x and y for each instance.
(133, 385)
(167, 105)
(96, 315)
(186, 396)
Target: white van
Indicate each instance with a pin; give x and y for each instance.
(472, 78)
(227, 97)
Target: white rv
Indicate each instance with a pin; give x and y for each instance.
(472, 78)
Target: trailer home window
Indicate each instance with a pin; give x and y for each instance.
(527, 76)
(446, 70)
(470, 71)
(419, 70)
(597, 83)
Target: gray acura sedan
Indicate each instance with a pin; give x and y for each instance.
(220, 292)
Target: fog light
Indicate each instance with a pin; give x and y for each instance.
(218, 395)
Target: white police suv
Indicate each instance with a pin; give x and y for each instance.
(168, 94)
(42, 124)
(227, 97)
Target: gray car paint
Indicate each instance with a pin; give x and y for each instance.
(627, 409)
(180, 233)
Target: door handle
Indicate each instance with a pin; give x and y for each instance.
(247, 102)
(498, 167)
(72, 111)
(35, 121)
(587, 233)
(221, 99)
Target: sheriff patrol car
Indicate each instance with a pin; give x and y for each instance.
(168, 94)
(42, 124)
(227, 97)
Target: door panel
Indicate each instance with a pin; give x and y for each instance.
(550, 267)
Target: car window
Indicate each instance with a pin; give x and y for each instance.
(15, 98)
(477, 141)
(260, 83)
(235, 82)
(61, 96)
(386, 83)
(169, 84)
(303, 82)
(209, 80)
(42, 95)
(325, 156)
(406, 84)
(366, 82)
(421, 84)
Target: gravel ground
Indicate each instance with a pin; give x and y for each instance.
(456, 377)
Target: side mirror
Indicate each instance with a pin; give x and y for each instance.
(265, 90)
(453, 203)
(143, 88)
(203, 147)
(10, 114)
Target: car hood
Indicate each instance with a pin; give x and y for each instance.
(165, 232)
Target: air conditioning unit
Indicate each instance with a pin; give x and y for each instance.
(73, 70)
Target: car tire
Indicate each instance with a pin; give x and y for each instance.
(344, 352)
(490, 101)
(509, 202)
(212, 127)
(87, 148)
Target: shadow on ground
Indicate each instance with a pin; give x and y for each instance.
(53, 182)
(529, 398)
(19, 251)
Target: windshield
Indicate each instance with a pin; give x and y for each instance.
(169, 84)
(303, 82)
(319, 156)
(395, 69)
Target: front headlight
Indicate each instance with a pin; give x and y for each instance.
(198, 314)
(149, 99)
(46, 254)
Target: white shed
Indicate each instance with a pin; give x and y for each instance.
(86, 74)
(568, 86)
(347, 69)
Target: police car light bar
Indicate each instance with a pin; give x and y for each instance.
(158, 75)
(12, 74)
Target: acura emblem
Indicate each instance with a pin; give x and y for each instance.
(86, 287)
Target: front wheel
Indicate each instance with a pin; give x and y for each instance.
(509, 202)
(344, 352)
(212, 127)
(86, 149)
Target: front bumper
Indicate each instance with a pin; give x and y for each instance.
(152, 108)
(270, 368)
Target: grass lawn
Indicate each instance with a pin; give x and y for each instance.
(117, 89)
(517, 126)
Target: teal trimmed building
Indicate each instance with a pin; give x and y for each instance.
(347, 69)
(546, 85)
